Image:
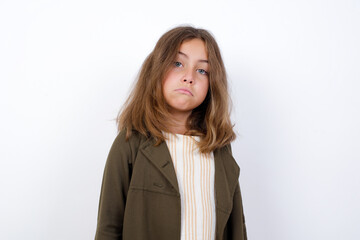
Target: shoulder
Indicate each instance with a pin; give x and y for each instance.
(133, 140)
(228, 160)
(126, 147)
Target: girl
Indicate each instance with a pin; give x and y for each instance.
(170, 173)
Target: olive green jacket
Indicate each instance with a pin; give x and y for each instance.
(140, 197)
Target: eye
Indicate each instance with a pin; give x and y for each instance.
(202, 71)
(178, 64)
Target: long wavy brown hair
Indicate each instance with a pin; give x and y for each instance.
(146, 110)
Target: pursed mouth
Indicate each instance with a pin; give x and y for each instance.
(184, 91)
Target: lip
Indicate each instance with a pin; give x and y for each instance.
(184, 91)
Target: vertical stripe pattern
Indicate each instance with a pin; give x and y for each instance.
(195, 175)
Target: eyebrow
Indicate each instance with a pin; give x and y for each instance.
(201, 60)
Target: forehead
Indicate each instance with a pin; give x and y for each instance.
(194, 48)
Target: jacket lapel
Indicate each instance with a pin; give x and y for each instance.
(160, 157)
(226, 176)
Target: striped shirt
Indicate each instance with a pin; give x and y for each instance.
(195, 175)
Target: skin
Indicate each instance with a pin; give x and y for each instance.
(186, 84)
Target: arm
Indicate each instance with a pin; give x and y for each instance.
(114, 190)
(237, 218)
(236, 228)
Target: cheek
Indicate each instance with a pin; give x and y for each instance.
(205, 88)
(168, 79)
(165, 83)
(166, 89)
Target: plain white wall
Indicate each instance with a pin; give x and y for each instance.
(67, 66)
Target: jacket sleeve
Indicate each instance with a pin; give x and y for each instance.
(237, 228)
(115, 185)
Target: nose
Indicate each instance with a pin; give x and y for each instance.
(188, 77)
(187, 81)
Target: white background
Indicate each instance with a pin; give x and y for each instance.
(67, 66)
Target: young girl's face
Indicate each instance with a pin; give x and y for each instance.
(186, 84)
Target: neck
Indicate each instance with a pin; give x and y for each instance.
(179, 123)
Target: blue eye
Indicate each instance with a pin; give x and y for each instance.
(202, 71)
(177, 64)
